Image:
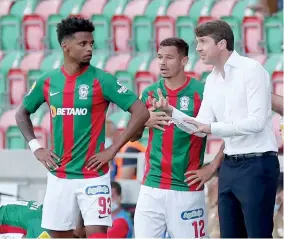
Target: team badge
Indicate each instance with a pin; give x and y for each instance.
(83, 91)
(184, 102)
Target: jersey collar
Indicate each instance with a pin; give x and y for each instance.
(85, 68)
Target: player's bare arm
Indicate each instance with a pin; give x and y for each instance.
(138, 135)
(157, 120)
(207, 172)
(25, 125)
(139, 116)
(277, 104)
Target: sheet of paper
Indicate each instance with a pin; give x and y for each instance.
(187, 127)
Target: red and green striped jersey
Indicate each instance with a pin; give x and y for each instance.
(22, 217)
(78, 106)
(173, 152)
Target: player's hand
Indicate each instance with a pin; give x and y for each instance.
(201, 175)
(201, 128)
(98, 160)
(157, 119)
(162, 104)
(47, 158)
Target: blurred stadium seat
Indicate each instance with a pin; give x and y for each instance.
(32, 60)
(69, 7)
(143, 79)
(135, 8)
(164, 27)
(277, 81)
(24, 7)
(33, 30)
(127, 35)
(213, 144)
(114, 7)
(223, 8)
(46, 8)
(142, 34)
(92, 7)
(10, 32)
(17, 85)
(179, 8)
(118, 62)
(121, 33)
(253, 33)
(5, 7)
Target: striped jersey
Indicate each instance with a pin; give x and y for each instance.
(78, 105)
(173, 152)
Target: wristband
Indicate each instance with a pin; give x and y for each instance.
(34, 145)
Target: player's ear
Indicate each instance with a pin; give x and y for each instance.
(64, 46)
(222, 44)
(184, 60)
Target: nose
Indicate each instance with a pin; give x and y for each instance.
(89, 47)
(198, 47)
(162, 61)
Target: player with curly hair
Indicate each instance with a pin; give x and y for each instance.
(78, 96)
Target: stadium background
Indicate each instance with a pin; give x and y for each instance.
(126, 38)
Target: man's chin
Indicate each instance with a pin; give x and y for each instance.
(205, 62)
(85, 63)
(165, 76)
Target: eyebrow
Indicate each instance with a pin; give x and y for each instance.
(84, 41)
(201, 38)
(166, 55)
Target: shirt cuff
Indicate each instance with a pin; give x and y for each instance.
(176, 114)
(222, 129)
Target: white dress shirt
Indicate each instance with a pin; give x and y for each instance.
(239, 106)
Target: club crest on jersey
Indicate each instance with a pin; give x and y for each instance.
(184, 102)
(83, 91)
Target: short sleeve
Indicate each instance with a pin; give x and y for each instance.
(117, 93)
(35, 97)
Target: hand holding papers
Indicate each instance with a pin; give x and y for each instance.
(187, 127)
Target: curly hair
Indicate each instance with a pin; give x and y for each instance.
(70, 25)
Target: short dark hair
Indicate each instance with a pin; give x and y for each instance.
(179, 43)
(70, 25)
(117, 187)
(218, 30)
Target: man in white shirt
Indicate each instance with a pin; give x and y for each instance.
(237, 107)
